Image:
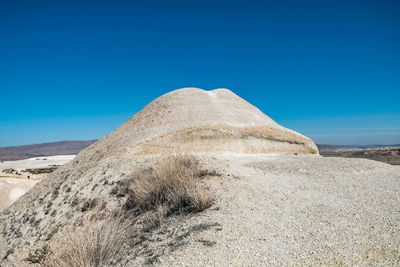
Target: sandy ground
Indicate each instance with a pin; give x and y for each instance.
(269, 210)
(298, 211)
(13, 186)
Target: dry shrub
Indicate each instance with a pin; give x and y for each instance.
(154, 219)
(38, 256)
(94, 242)
(172, 184)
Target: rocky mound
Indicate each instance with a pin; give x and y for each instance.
(249, 190)
(194, 120)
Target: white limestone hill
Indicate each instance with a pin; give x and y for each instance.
(195, 120)
(270, 208)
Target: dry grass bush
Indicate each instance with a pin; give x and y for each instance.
(172, 186)
(94, 242)
(39, 255)
(154, 219)
(225, 138)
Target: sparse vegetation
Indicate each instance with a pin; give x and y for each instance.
(390, 155)
(173, 186)
(93, 243)
(154, 219)
(224, 137)
(41, 170)
(39, 255)
(170, 187)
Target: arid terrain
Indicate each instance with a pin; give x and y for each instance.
(387, 154)
(200, 178)
(18, 177)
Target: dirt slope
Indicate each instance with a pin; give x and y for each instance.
(269, 210)
(298, 210)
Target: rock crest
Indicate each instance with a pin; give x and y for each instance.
(192, 120)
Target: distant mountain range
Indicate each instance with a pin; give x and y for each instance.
(74, 147)
(42, 150)
(333, 147)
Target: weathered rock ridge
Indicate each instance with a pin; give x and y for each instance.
(195, 120)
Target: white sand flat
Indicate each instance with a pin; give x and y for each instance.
(39, 162)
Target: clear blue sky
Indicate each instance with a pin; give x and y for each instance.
(77, 70)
